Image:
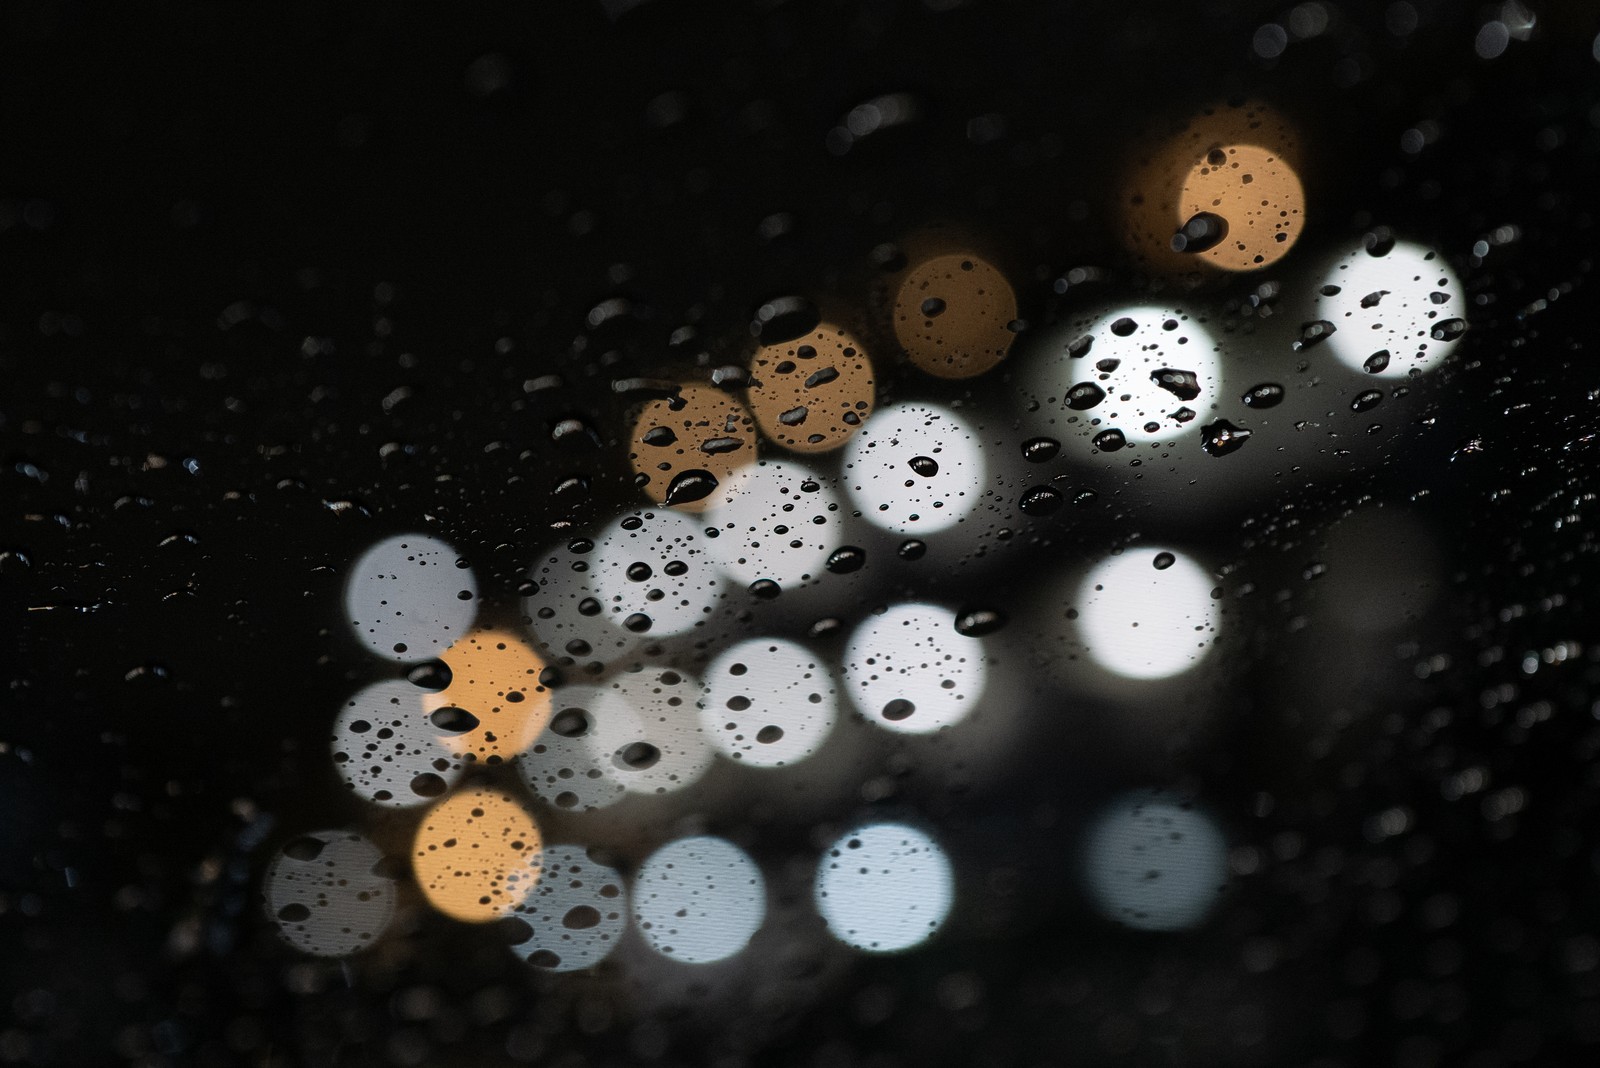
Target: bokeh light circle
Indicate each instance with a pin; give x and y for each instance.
(387, 750)
(1394, 313)
(409, 596)
(328, 893)
(699, 899)
(1153, 864)
(768, 702)
(917, 468)
(675, 440)
(495, 683)
(909, 670)
(952, 315)
(813, 393)
(476, 855)
(575, 915)
(1141, 621)
(884, 887)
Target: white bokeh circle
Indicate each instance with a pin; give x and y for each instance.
(409, 596)
(915, 469)
(779, 522)
(1394, 303)
(1141, 621)
(909, 670)
(884, 887)
(768, 702)
(327, 894)
(699, 899)
(388, 751)
(576, 913)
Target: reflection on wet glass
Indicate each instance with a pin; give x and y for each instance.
(1396, 308)
(918, 468)
(909, 670)
(388, 751)
(494, 705)
(576, 914)
(768, 702)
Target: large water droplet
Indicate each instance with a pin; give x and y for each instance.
(1203, 231)
(1040, 500)
(845, 559)
(689, 486)
(1110, 440)
(1084, 395)
(1448, 330)
(1314, 333)
(1367, 400)
(976, 622)
(1185, 385)
(1039, 450)
(926, 466)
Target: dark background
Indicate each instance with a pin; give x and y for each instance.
(272, 279)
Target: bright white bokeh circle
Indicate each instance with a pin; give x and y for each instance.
(1143, 622)
(409, 596)
(1153, 864)
(1127, 348)
(780, 521)
(699, 899)
(884, 887)
(1393, 303)
(915, 469)
(909, 670)
(768, 702)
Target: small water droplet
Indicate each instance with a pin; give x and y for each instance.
(1222, 437)
(1379, 241)
(766, 589)
(1367, 400)
(430, 675)
(1163, 561)
(1373, 299)
(429, 785)
(933, 306)
(1265, 395)
(821, 377)
(926, 466)
(1448, 330)
(769, 734)
(1040, 500)
(717, 445)
(570, 723)
(794, 416)
(912, 549)
(845, 559)
(1039, 450)
(294, 913)
(638, 756)
(1110, 440)
(639, 571)
(1080, 347)
(1084, 395)
(1314, 333)
(659, 436)
(1124, 327)
(976, 622)
(637, 622)
(1377, 361)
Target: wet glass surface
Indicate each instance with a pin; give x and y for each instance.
(921, 532)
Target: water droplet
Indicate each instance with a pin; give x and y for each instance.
(1185, 385)
(637, 756)
(821, 377)
(430, 675)
(1367, 400)
(718, 445)
(1163, 561)
(1040, 500)
(766, 589)
(1080, 347)
(581, 917)
(1110, 440)
(1266, 395)
(1124, 327)
(294, 913)
(689, 486)
(1314, 333)
(926, 466)
(845, 559)
(1373, 299)
(1084, 395)
(570, 723)
(913, 549)
(453, 719)
(639, 571)
(637, 622)
(1379, 241)
(429, 785)
(305, 849)
(1039, 450)
(1203, 231)
(898, 709)
(1448, 330)
(932, 306)
(794, 416)
(976, 622)
(769, 734)
(1377, 362)
(730, 376)
(1222, 437)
